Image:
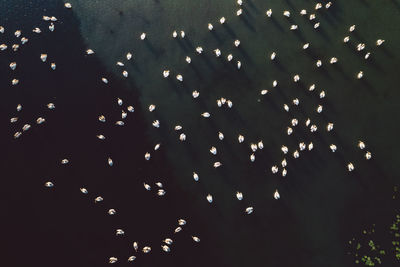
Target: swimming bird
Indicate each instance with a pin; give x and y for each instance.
(49, 184)
(195, 176)
(146, 249)
(249, 210)
(165, 248)
(112, 260)
(209, 198)
(277, 195)
(196, 239)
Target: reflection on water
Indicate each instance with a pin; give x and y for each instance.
(321, 205)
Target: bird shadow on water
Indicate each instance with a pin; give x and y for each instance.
(247, 23)
(229, 30)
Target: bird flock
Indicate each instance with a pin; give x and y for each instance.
(279, 167)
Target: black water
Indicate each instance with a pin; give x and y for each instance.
(322, 205)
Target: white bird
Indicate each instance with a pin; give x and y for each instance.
(220, 136)
(43, 57)
(112, 260)
(239, 195)
(240, 138)
(196, 239)
(205, 114)
(361, 144)
(286, 13)
(217, 164)
(156, 124)
(143, 36)
(88, 51)
(195, 94)
(130, 109)
(274, 169)
(179, 77)
(379, 42)
(166, 73)
(128, 56)
(350, 167)
(147, 156)
(147, 187)
(181, 222)
(277, 195)
(111, 211)
(269, 13)
(135, 246)
(98, 199)
(195, 176)
(40, 120)
(310, 146)
(17, 135)
(368, 155)
(213, 150)
(168, 241)
(110, 161)
(236, 43)
(249, 210)
(210, 27)
(146, 249)
(188, 59)
(64, 161)
(104, 80)
(161, 192)
(13, 65)
(68, 5)
(26, 127)
(24, 40)
(14, 81)
(49, 184)
(157, 146)
(333, 147)
(83, 190)
(51, 106)
(177, 229)
(165, 248)
(131, 258)
(222, 20)
(182, 137)
(209, 198)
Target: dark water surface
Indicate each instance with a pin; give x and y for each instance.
(322, 206)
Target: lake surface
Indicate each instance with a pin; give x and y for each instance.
(322, 205)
